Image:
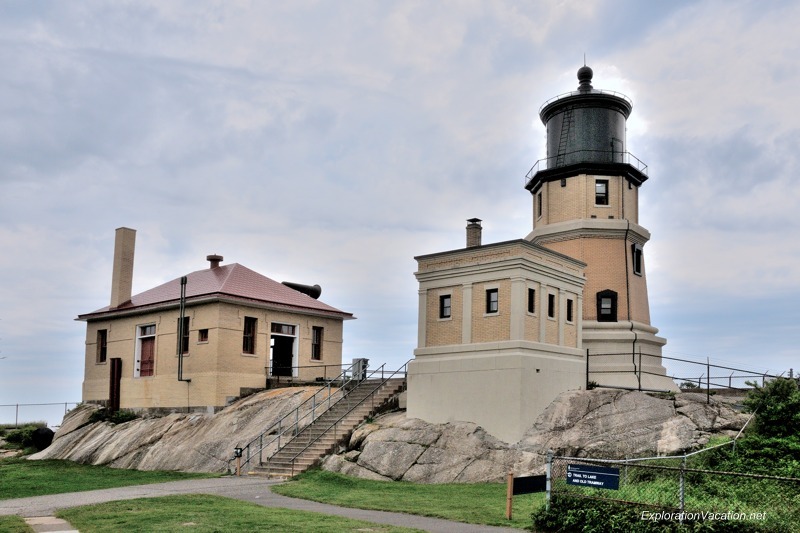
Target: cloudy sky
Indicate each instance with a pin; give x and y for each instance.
(331, 142)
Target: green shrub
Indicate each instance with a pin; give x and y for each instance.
(600, 516)
(776, 406)
(115, 417)
(22, 437)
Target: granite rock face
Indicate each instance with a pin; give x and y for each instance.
(596, 423)
(400, 448)
(600, 423)
(187, 442)
(616, 423)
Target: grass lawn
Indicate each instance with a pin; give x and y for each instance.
(203, 513)
(22, 478)
(478, 503)
(13, 524)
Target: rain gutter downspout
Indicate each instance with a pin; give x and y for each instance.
(180, 331)
(628, 290)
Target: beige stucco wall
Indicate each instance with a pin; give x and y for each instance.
(503, 389)
(217, 368)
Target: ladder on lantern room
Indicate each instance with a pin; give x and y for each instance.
(566, 125)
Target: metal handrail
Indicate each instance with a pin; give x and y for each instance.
(575, 93)
(278, 428)
(300, 368)
(403, 369)
(547, 163)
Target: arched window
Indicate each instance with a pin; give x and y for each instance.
(607, 306)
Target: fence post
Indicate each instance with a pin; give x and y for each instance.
(548, 476)
(16, 417)
(509, 494)
(682, 493)
(708, 381)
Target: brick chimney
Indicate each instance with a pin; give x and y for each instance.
(122, 275)
(214, 259)
(474, 232)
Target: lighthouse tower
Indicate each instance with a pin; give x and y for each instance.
(586, 206)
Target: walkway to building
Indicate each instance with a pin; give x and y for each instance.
(251, 489)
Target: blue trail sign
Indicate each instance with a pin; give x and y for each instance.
(598, 477)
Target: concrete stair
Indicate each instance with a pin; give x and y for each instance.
(321, 437)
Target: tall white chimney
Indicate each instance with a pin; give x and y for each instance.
(122, 275)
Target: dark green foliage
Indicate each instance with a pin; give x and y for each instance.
(600, 516)
(770, 447)
(116, 417)
(22, 437)
(776, 406)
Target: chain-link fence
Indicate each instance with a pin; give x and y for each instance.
(18, 414)
(678, 489)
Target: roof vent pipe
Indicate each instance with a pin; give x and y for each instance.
(474, 232)
(214, 259)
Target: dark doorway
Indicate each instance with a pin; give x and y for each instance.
(114, 384)
(282, 348)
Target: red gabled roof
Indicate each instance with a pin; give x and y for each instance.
(233, 280)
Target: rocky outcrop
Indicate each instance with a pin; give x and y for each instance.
(187, 442)
(617, 423)
(596, 423)
(398, 448)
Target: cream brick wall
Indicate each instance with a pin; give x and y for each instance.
(608, 267)
(511, 268)
(217, 368)
(444, 331)
(576, 200)
(495, 326)
(532, 320)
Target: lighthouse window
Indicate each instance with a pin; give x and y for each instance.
(601, 192)
(492, 301)
(445, 306)
(607, 306)
(539, 205)
(636, 258)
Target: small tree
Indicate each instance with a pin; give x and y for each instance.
(777, 407)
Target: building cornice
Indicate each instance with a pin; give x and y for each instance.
(590, 228)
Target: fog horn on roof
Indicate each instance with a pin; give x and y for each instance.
(312, 290)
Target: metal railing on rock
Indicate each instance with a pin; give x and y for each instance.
(371, 379)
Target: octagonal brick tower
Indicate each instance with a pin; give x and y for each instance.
(585, 205)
